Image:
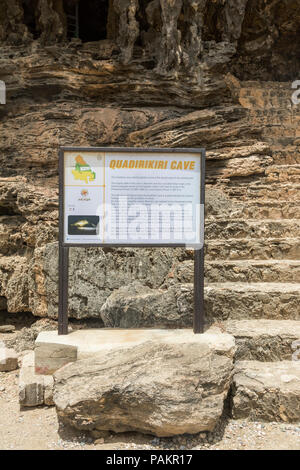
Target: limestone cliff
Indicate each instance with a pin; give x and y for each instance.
(211, 73)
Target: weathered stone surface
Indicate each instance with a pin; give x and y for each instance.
(7, 328)
(265, 340)
(8, 360)
(90, 342)
(139, 306)
(241, 271)
(12, 27)
(14, 282)
(50, 22)
(245, 271)
(48, 357)
(257, 249)
(24, 339)
(241, 229)
(171, 305)
(271, 210)
(265, 391)
(31, 386)
(48, 390)
(94, 275)
(164, 74)
(164, 387)
(34, 389)
(240, 301)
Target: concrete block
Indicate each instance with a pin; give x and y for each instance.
(51, 356)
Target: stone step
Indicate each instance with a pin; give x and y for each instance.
(244, 249)
(277, 191)
(265, 340)
(240, 301)
(242, 271)
(250, 271)
(266, 391)
(240, 228)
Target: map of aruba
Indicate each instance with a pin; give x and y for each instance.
(83, 171)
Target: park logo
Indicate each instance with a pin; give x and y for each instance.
(84, 195)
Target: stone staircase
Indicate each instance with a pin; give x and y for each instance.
(253, 266)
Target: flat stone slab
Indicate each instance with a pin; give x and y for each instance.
(265, 340)
(257, 300)
(34, 389)
(53, 351)
(7, 328)
(267, 391)
(161, 382)
(8, 360)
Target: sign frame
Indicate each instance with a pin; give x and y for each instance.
(63, 271)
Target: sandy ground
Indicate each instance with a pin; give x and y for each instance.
(38, 429)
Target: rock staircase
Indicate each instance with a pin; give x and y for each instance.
(253, 265)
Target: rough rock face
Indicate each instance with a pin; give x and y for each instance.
(267, 391)
(94, 275)
(164, 388)
(136, 305)
(209, 73)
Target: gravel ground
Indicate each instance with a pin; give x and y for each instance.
(38, 429)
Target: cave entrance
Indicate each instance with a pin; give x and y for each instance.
(86, 19)
(29, 9)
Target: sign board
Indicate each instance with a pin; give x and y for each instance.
(131, 197)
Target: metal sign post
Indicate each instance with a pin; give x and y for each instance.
(85, 177)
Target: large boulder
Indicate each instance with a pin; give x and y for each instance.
(172, 385)
(137, 305)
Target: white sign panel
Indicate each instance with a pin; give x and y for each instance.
(132, 198)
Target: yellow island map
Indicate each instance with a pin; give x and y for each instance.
(83, 171)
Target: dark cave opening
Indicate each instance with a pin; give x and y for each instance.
(30, 8)
(86, 19)
(93, 20)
